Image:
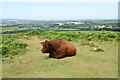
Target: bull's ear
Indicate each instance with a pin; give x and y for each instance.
(41, 42)
(46, 41)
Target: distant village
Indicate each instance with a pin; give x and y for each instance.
(52, 25)
(102, 26)
(85, 25)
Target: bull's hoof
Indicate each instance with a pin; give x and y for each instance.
(50, 56)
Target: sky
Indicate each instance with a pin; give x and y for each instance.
(59, 10)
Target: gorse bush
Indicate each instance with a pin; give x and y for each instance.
(74, 35)
(10, 46)
(103, 35)
(32, 33)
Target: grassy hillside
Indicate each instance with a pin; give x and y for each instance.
(86, 64)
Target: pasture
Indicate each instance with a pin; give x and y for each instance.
(86, 64)
(4, 29)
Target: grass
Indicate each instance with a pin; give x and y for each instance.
(86, 64)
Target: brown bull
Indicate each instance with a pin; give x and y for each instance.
(58, 48)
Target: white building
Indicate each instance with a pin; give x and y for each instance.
(103, 26)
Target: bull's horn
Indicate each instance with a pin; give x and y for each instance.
(41, 42)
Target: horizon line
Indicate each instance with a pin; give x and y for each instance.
(56, 19)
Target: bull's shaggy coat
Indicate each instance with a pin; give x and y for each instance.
(58, 48)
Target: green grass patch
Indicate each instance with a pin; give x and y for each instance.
(86, 64)
(4, 29)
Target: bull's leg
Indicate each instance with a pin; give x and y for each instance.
(59, 56)
(60, 53)
(50, 55)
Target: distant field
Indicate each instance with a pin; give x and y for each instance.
(82, 27)
(9, 28)
(68, 29)
(106, 21)
(4, 29)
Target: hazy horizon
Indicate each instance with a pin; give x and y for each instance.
(55, 20)
(57, 11)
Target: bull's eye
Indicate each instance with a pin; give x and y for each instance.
(45, 46)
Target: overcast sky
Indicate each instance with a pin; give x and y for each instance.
(59, 10)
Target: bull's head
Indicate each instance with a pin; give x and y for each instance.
(46, 47)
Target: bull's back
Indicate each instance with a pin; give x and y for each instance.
(71, 50)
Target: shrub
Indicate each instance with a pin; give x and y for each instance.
(10, 46)
(74, 35)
